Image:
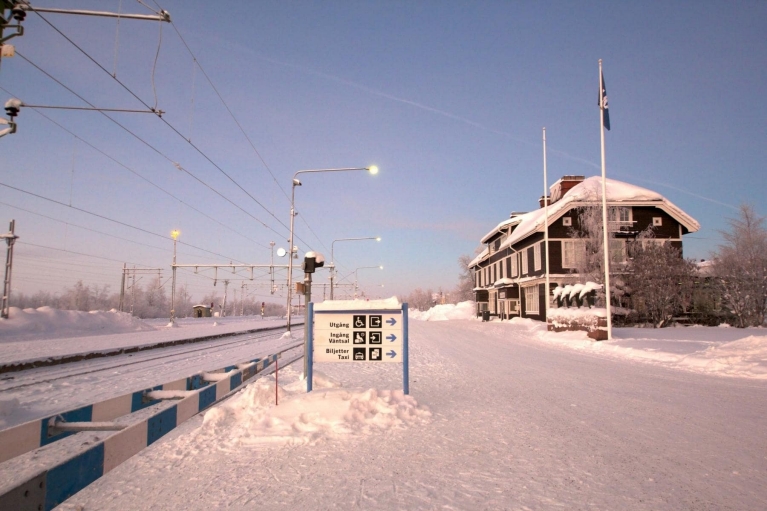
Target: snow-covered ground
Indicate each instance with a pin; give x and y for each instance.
(38, 334)
(501, 415)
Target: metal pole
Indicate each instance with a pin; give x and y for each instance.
(290, 250)
(173, 288)
(122, 287)
(10, 239)
(307, 300)
(332, 267)
(546, 226)
(271, 269)
(310, 342)
(604, 204)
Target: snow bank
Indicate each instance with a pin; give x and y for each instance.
(463, 310)
(332, 305)
(48, 323)
(328, 412)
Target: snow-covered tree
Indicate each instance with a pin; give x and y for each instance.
(464, 291)
(590, 256)
(740, 266)
(661, 281)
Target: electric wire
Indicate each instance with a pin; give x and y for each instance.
(175, 164)
(111, 220)
(173, 128)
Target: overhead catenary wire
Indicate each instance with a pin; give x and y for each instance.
(150, 182)
(150, 146)
(173, 128)
(111, 220)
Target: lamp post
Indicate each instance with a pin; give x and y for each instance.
(173, 234)
(372, 169)
(332, 260)
(355, 276)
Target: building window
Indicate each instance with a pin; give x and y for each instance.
(537, 256)
(567, 221)
(617, 251)
(514, 265)
(572, 250)
(621, 214)
(524, 261)
(531, 300)
(657, 221)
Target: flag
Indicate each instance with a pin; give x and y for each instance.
(602, 102)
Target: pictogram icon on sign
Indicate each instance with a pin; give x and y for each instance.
(375, 353)
(359, 321)
(359, 353)
(375, 337)
(359, 337)
(375, 321)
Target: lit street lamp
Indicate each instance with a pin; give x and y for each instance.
(332, 260)
(372, 169)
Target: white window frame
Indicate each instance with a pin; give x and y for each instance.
(625, 214)
(657, 221)
(532, 299)
(523, 254)
(617, 250)
(514, 267)
(567, 221)
(537, 256)
(502, 264)
(570, 255)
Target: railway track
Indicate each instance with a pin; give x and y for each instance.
(35, 393)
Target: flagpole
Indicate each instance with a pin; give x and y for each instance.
(604, 206)
(546, 225)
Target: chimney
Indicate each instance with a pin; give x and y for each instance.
(564, 185)
(542, 200)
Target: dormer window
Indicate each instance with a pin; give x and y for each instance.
(621, 214)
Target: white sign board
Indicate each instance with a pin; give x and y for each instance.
(358, 336)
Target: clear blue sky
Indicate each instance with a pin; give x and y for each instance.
(447, 98)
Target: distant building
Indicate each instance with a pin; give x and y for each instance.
(201, 311)
(509, 274)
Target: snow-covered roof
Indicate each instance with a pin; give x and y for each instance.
(480, 257)
(513, 220)
(589, 192)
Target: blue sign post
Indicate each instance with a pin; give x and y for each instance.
(376, 335)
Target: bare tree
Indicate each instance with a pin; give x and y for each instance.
(661, 281)
(464, 290)
(589, 257)
(740, 267)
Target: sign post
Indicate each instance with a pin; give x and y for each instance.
(375, 335)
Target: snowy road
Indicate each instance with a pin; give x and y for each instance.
(44, 391)
(515, 424)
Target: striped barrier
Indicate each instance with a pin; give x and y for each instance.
(52, 486)
(25, 437)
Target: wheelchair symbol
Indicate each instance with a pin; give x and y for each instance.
(359, 321)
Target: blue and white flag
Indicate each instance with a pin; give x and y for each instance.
(602, 102)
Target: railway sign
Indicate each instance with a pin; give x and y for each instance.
(374, 335)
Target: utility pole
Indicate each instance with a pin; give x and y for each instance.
(174, 234)
(122, 288)
(242, 298)
(10, 239)
(223, 307)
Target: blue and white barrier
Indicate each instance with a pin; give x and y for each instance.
(52, 486)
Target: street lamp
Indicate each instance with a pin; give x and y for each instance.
(372, 169)
(173, 234)
(355, 276)
(332, 260)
